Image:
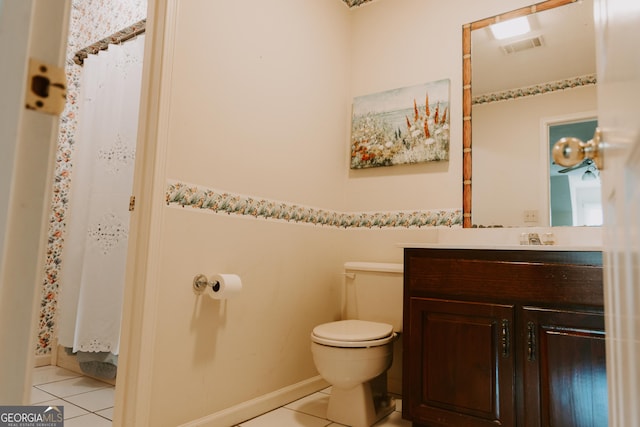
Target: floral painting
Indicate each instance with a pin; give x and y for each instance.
(401, 126)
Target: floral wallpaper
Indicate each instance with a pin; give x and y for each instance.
(185, 195)
(90, 20)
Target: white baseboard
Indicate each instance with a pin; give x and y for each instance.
(260, 405)
(42, 360)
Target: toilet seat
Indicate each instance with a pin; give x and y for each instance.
(353, 334)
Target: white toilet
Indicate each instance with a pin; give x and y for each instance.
(354, 354)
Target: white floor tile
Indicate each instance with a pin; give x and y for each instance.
(94, 400)
(38, 396)
(315, 404)
(107, 413)
(88, 402)
(284, 417)
(70, 410)
(49, 374)
(89, 420)
(393, 420)
(72, 386)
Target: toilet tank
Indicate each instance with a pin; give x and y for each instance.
(373, 291)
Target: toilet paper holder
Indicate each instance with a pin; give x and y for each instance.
(200, 283)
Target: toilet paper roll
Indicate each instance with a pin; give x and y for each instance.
(229, 286)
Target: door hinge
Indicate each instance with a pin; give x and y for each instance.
(132, 203)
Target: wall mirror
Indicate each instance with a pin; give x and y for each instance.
(520, 93)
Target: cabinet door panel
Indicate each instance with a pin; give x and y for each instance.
(463, 358)
(564, 372)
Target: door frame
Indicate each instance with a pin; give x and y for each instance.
(134, 383)
(34, 29)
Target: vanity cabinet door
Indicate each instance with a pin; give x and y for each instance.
(461, 363)
(564, 376)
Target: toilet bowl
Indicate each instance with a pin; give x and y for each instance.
(353, 356)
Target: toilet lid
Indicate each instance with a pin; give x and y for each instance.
(352, 331)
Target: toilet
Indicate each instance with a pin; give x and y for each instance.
(354, 354)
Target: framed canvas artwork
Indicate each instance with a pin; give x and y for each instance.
(401, 126)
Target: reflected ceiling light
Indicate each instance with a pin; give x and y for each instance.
(590, 174)
(511, 28)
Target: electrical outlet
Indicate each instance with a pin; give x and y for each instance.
(531, 215)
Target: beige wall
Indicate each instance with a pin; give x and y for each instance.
(510, 166)
(255, 99)
(258, 98)
(397, 45)
(212, 354)
(254, 103)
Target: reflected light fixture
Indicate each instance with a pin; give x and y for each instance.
(511, 28)
(590, 174)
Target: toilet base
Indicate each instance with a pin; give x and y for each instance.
(357, 406)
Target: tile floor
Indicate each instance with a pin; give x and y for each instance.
(89, 403)
(310, 411)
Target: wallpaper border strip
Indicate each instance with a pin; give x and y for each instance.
(586, 80)
(354, 3)
(116, 38)
(221, 202)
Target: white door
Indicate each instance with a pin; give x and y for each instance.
(618, 47)
(28, 29)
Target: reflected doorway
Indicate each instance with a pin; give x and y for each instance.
(574, 192)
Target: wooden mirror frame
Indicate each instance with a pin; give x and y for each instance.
(467, 95)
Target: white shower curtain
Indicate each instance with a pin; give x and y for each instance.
(95, 247)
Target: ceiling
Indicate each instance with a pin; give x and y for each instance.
(567, 51)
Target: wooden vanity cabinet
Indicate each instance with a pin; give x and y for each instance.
(503, 338)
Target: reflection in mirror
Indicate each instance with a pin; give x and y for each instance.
(513, 89)
(574, 192)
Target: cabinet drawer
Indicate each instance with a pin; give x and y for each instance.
(513, 276)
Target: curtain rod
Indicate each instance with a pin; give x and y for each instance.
(115, 38)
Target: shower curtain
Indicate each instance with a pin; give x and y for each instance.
(94, 254)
